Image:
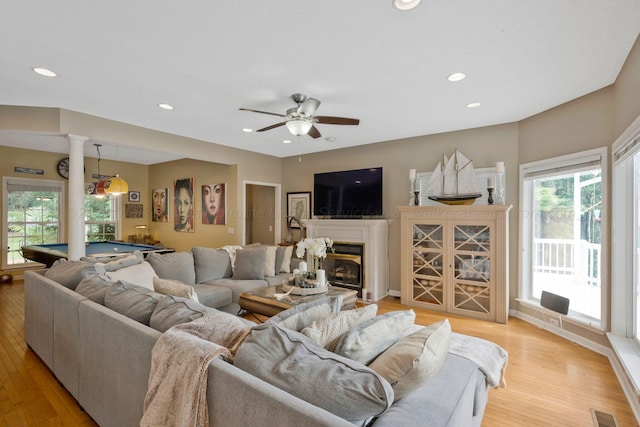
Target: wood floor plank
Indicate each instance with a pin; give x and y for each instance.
(550, 381)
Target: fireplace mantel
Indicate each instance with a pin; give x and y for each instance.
(373, 233)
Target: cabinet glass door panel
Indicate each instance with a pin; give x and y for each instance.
(427, 236)
(474, 238)
(472, 267)
(428, 264)
(475, 298)
(428, 290)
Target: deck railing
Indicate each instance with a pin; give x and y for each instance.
(577, 258)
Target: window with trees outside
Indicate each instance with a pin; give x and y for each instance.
(32, 212)
(562, 232)
(101, 218)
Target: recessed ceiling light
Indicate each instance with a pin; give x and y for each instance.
(405, 4)
(473, 105)
(44, 72)
(331, 139)
(286, 141)
(247, 130)
(165, 106)
(456, 77)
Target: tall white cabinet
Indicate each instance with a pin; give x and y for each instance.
(455, 259)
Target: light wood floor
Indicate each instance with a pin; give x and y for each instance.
(550, 381)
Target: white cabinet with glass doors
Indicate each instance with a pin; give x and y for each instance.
(455, 259)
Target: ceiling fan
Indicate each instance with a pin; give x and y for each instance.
(300, 119)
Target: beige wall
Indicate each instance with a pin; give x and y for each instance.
(163, 175)
(485, 146)
(627, 91)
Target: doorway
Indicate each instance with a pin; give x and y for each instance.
(262, 213)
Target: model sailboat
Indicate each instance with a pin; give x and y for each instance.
(453, 182)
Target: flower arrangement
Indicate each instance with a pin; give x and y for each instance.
(317, 248)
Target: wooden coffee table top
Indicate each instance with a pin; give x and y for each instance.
(262, 301)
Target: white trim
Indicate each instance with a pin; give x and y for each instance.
(627, 143)
(537, 169)
(626, 365)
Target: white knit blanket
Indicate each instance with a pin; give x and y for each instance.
(490, 357)
(177, 392)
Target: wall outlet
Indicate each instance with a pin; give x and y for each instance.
(554, 321)
(230, 230)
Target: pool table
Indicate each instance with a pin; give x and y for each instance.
(48, 254)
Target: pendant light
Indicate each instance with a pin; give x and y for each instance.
(116, 185)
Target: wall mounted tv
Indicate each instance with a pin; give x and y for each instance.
(348, 194)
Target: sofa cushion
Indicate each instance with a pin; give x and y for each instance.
(249, 263)
(211, 264)
(413, 360)
(367, 340)
(302, 315)
(94, 287)
(283, 259)
(139, 274)
(290, 361)
(175, 288)
(326, 332)
(69, 273)
(174, 265)
(135, 302)
(172, 310)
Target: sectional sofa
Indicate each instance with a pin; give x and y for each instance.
(99, 345)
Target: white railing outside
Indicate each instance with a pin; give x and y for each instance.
(577, 258)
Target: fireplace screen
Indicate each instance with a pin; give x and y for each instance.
(344, 267)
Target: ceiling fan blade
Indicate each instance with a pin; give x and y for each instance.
(314, 132)
(308, 107)
(328, 120)
(262, 112)
(271, 127)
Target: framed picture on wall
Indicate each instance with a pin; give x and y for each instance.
(134, 196)
(213, 203)
(159, 210)
(299, 206)
(183, 198)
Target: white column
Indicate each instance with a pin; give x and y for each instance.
(75, 205)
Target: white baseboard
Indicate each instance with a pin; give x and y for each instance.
(394, 293)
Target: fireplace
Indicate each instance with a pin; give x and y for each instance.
(367, 239)
(345, 267)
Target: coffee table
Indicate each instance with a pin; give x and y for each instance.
(262, 301)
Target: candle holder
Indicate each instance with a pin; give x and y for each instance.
(412, 199)
(490, 199)
(416, 198)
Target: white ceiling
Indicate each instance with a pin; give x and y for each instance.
(118, 59)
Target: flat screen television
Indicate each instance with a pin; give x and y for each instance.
(348, 194)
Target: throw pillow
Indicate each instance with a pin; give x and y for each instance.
(211, 264)
(283, 259)
(270, 261)
(302, 315)
(172, 310)
(327, 331)
(250, 264)
(94, 287)
(121, 262)
(175, 288)
(290, 361)
(69, 273)
(140, 274)
(135, 302)
(414, 359)
(367, 340)
(175, 265)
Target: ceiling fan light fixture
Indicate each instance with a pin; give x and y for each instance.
(299, 127)
(405, 4)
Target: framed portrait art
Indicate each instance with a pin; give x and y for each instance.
(213, 203)
(299, 206)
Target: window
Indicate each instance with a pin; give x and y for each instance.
(101, 218)
(32, 212)
(562, 232)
